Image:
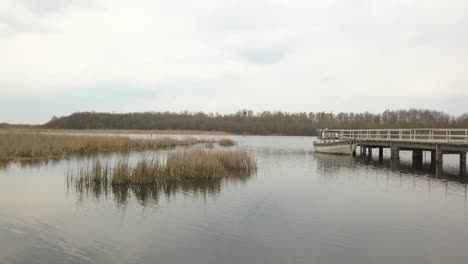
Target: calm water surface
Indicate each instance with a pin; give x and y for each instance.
(299, 207)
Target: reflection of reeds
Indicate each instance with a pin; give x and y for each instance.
(152, 192)
(38, 145)
(195, 170)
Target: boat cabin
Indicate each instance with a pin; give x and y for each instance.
(333, 142)
(326, 135)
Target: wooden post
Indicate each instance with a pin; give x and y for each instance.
(394, 164)
(395, 152)
(463, 158)
(380, 153)
(433, 157)
(417, 153)
(417, 158)
(439, 170)
(462, 163)
(363, 150)
(439, 155)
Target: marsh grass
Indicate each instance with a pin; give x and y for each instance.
(21, 146)
(198, 171)
(226, 142)
(180, 166)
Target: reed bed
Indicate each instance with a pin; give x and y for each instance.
(180, 166)
(14, 146)
(226, 142)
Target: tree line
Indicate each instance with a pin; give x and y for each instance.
(261, 123)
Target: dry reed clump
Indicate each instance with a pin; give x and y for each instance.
(226, 142)
(182, 165)
(39, 145)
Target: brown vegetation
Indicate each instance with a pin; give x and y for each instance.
(41, 129)
(41, 145)
(226, 142)
(180, 166)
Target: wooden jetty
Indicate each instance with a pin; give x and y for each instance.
(437, 141)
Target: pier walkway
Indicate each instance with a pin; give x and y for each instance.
(437, 141)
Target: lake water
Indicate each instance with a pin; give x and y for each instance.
(299, 207)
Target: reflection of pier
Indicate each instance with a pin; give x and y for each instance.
(390, 173)
(436, 141)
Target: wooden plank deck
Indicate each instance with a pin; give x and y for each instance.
(438, 141)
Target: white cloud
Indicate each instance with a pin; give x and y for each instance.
(224, 55)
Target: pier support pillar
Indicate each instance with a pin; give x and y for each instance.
(463, 158)
(394, 164)
(463, 163)
(395, 152)
(363, 150)
(439, 155)
(417, 154)
(370, 152)
(380, 153)
(417, 158)
(439, 170)
(433, 158)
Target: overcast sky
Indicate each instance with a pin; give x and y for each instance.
(59, 57)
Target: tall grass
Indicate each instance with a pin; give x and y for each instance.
(226, 142)
(179, 166)
(41, 145)
(199, 171)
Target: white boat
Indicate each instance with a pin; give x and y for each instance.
(330, 142)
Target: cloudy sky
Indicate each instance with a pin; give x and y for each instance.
(59, 57)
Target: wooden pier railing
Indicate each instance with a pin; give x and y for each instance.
(425, 135)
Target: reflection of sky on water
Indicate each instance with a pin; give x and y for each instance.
(300, 206)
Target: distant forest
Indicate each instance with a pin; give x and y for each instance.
(262, 123)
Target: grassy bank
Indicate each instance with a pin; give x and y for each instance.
(15, 146)
(179, 166)
(113, 131)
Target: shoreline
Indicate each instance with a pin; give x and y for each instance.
(136, 131)
(115, 131)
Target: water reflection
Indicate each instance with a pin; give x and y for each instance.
(299, 207)
(410, 167)
(430, 177)
(329, 163)
(147, 194)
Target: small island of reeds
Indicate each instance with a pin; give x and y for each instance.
(34, 145)
(180, 166)
(226, 142)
